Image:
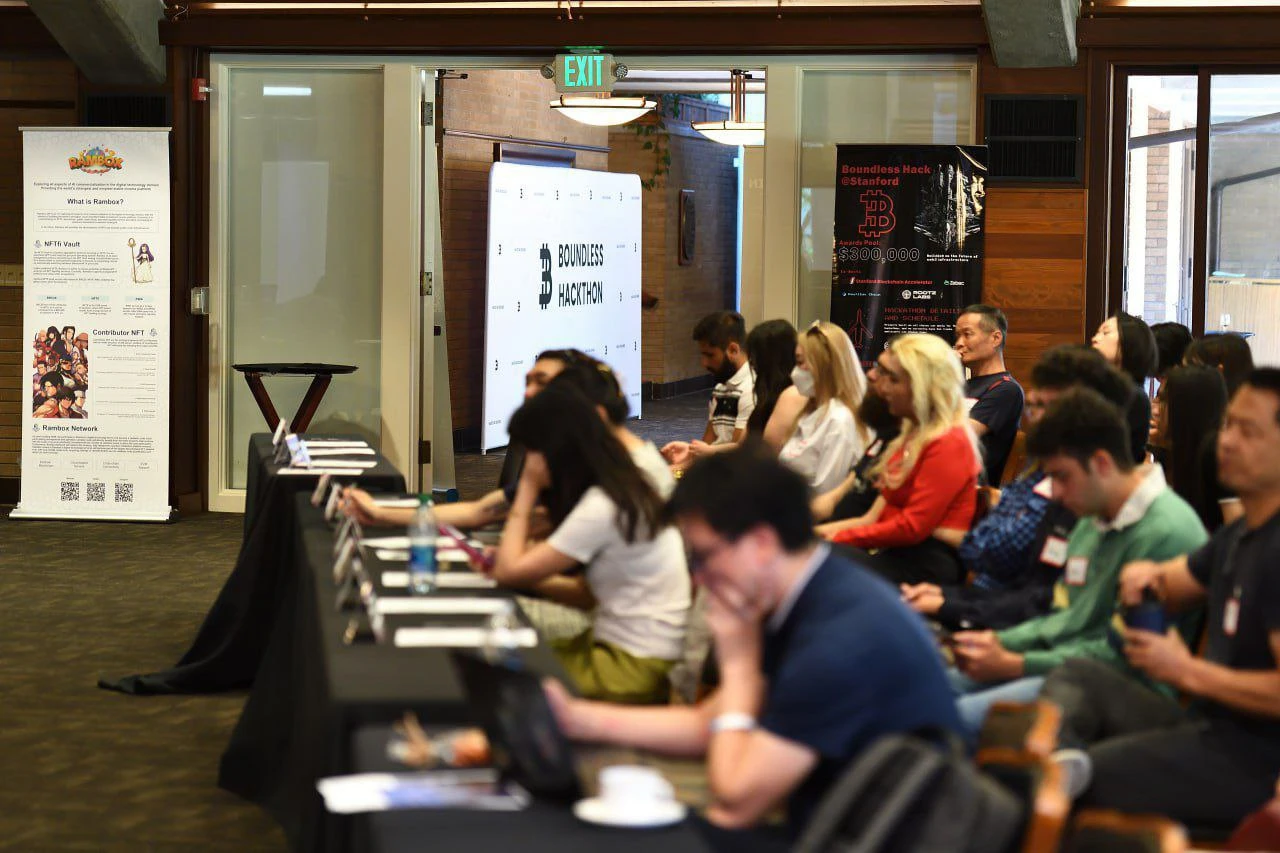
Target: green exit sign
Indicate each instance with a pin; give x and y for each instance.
(584, 72)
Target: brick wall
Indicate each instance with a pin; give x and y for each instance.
(685, 293)
(1157, 207)
(21, 80)
(506, 103)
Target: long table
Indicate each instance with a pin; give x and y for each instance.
(313, 690)
(229, 646)
(545, 827)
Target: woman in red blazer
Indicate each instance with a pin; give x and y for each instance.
(928, 476)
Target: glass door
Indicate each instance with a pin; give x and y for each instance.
(1160, 210)
(1243, 288)
(315, 253)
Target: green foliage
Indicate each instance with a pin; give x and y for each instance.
(656, 138)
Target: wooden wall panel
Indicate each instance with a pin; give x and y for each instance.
(1034, 269)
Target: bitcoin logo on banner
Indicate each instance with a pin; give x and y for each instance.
(544, 298)
(878, 219)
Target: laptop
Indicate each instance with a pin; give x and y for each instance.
(524, 737)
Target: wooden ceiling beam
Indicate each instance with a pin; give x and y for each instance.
(705, 31)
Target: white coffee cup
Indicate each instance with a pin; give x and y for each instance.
(630, 787)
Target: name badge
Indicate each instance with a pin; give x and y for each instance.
(1077, 570)
(331, 505)
(1231, 617)
(342, 563)
(1054, 552)
(322, 488)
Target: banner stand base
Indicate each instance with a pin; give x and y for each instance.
(20, 514)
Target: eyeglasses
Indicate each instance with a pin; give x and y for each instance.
(698, 559)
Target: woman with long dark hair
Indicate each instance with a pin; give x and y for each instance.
(1193, 400)
(771, 350)
(1228, 352)
(607, 517)
(1127, 343)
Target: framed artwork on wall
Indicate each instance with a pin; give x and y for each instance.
(688, 228)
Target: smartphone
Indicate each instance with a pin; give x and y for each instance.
(465, 545)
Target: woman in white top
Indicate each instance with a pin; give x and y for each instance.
(607, 517)
(826, 437)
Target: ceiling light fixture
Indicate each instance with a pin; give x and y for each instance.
(602, 110)
(735, 131)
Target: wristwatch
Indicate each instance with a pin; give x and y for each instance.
(733, 721)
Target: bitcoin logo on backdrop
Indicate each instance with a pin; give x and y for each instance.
(878, 219)
(544, 298)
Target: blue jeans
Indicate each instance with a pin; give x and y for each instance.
(974, 698)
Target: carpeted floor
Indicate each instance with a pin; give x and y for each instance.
(83, 769)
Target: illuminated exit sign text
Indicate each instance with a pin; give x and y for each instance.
(584, 72)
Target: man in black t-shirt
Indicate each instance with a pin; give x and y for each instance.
(993, 396)
(1217, 761)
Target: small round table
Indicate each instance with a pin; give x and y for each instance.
(322, 375)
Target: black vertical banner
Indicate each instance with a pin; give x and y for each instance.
(909, 240)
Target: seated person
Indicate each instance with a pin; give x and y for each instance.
(1127, 343)
(594, 379)
(606, 516)
(927, 477)
(771, 352)
(856, 494)
(1126, 513)
(817, 657)
(826, 438)
(1228, 352)
(1193, 400)
(993, 396)
(1016, 553)
(720, 338)
(1210, 764)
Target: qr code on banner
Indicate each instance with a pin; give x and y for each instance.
(70, 490)
(95, 492)
(124, 493)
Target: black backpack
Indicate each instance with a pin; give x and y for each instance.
(906, 794)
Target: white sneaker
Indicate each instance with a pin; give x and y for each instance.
(1077, 770)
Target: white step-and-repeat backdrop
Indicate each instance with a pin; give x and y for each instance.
(564, 271)
(95, 383)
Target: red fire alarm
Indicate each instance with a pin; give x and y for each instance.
(200, 89)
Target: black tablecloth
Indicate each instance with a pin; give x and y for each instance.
(313, 690)
(544, 827)
(229, 645)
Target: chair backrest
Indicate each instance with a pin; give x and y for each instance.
(1038, 782)
(1103, 831)
(904, 794)
(986, 500)
(1026, 726)
(1017, 458)
(686, 677)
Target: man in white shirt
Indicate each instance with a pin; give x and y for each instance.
(720, 337)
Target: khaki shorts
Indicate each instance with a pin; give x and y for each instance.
(603, 671)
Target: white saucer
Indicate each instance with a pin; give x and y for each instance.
(595, 810)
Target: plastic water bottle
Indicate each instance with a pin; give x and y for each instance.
(422, 549)
(502, 635)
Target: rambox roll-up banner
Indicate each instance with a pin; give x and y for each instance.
(908, 241)
(95, 382)
(563, 272)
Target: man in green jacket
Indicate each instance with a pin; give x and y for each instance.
(1126, 513)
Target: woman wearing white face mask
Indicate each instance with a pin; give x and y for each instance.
(827, 437)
